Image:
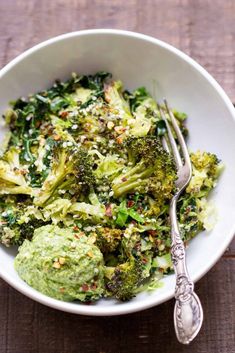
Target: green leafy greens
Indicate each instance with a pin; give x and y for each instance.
(85, 159)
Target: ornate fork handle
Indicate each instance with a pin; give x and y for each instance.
(188, 314)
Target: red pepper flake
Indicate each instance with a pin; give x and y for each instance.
(93, 286)
(77, 236)
(144, 261)
(130, 203)
(75, 228)
(137, 247)
(119, 140)
(152, 232)
(188, 209)
(124, 179)
(64, 114)
(85, 287)
(108, 210)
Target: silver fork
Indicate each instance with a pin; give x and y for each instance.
(188, 314)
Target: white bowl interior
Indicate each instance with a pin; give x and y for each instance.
(138, 61)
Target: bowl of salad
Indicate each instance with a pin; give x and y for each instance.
(85, 183)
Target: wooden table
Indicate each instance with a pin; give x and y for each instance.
(204, 29)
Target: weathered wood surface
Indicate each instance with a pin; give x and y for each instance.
(28, 327)
(204, 29)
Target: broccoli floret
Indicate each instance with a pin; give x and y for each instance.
(71, 172)
(18, 222)
(153, 170)
(9, 235)
(153, 207)
(206, 170)
(12, 174)
(108, 239)
(206, 161)
(125, 279)
(193, 211)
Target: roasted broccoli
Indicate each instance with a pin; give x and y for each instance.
(71, 172)
(206, 170)
(108, 239)
(152, 170)
(195, 213)
(125, 279)
(18, 222)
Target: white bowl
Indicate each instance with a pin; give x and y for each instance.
(138, 60)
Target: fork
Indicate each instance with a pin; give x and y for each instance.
(188, 313)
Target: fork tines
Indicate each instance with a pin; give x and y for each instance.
(179, 149)
(171, 143)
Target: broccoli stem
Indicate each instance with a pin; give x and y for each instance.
(132, 179)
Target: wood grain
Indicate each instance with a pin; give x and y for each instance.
(28, 327)
(205, 30)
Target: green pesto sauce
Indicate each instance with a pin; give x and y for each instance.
(62, 265)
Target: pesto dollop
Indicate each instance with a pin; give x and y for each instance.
(61, 264)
